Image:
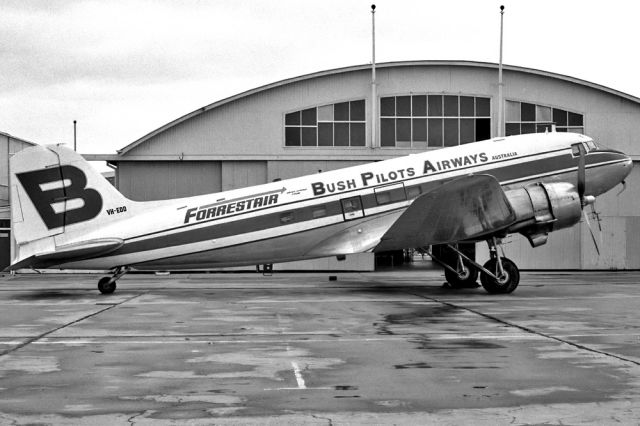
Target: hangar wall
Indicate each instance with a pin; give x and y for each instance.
(243, 140)
(9, 145)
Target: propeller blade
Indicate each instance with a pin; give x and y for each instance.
(624, 187)
(593, 237)
(596, 215)
(581, 174)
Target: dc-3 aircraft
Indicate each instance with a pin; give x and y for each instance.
(66, 215)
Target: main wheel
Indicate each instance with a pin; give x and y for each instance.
(505, 283)
(105, 286)
(466, 280)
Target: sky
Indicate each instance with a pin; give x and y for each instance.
(124, 68)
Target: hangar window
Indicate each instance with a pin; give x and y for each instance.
(522, 117)
(341, 124)
(425, 120)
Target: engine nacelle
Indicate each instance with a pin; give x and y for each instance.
(542, 208)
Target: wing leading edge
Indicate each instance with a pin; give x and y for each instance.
(462, 209)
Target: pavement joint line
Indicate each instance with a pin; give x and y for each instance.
(47, 333)
(532, 331)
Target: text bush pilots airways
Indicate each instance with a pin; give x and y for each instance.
(66, 215)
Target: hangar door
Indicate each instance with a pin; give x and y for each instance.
(161, 180)
(240, 174)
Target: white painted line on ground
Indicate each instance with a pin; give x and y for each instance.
(298, 374)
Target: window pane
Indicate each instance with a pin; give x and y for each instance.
(403, 130)
(528, 112)
(528, 128)
(435, 132)
(483, 107)
(541, 128)
(467, 106)
(575, 119)
(419, 129)
(451, 106)
(419, 103)
(512, 111)
(575, 130)
(483, 129)
(325, 134)
(388, 132)
(450, 131)
(467, 130)
(512, 129)
(292, 119)
(388, 107)
(357, 110)
(309, 135)
(357, 134)
(435, 105)
(309, 117)
(292, 136)
(341, 134)
(325, 113)
(341, 111)
(543, 114)
(403, 106)
(560, 117)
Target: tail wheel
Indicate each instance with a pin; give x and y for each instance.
(506, 282)
(105, 286)
(466, 279)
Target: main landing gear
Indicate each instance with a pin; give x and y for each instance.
(498, 276)
(107, 285)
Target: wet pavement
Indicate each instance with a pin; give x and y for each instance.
(381, 348)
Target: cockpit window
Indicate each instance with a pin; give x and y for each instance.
(591, 146)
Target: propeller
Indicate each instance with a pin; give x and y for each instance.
(587, 200)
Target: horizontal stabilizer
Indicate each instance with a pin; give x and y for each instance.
(70, 252)
(462, 209)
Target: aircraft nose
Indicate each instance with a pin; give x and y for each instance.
(616, 166)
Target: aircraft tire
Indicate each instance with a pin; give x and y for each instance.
(105, 286)
(468, 281)
(505, 285)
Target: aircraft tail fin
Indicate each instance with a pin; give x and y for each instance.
(55, 195)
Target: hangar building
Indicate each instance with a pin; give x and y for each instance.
(9, 145)
(323, 121)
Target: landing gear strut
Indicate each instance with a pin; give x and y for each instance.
(465, 274)
(498, 276)
(107, 285)
(501, 275)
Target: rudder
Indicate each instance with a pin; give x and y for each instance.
(54, 190)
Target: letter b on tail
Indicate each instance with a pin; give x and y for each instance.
(60, 195)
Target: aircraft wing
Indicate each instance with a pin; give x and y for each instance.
(465, 208)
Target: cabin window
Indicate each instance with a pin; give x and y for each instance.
(413, 191)
(390, 194)
(318, 212)
(286, 218)
(522, 118)
(424, 121)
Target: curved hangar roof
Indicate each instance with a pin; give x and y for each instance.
(477, 78)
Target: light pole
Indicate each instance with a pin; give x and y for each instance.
(374, 101)
(500, 83)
